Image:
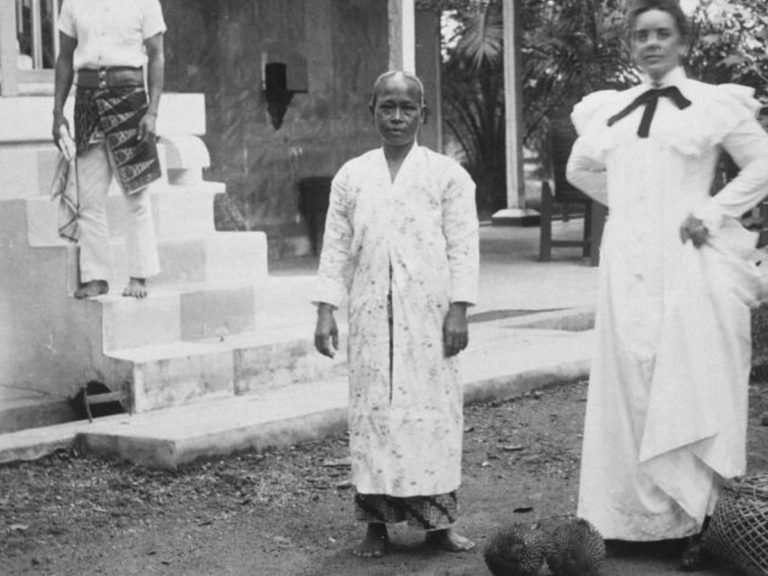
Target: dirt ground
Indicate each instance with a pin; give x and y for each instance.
(289, 511)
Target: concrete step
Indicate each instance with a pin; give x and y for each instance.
(167, 375)
(178, 210)
(28, 169)
(200, 311)
(184, 433)
(29, 410)
(175, 372)
(165, 371)
(171, 315)
(514, 361)
(218, 257)
(57, 351)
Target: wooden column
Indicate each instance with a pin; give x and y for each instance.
(402, 35)
(428, 68)
(516, 212)
(513, 109)
(9, 85)
(37, 36)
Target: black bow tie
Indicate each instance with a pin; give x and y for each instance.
(650, 99)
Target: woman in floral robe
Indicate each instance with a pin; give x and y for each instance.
(401, 240)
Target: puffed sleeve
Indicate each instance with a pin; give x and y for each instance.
(337, 239)
(590, 114)
(741, 135)
(460, 228)
(586, 164)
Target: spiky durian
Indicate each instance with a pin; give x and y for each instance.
(575, 548)
(515, 550)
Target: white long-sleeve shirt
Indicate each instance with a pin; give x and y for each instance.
(110, 32)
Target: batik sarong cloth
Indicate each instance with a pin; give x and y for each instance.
(423, 512)
(117, 113)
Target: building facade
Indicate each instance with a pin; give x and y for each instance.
(259, 94)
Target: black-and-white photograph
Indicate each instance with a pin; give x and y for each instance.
(383, 287)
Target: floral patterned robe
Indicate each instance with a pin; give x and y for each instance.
(416, 237)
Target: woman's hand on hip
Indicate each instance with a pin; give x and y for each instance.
(693, 229)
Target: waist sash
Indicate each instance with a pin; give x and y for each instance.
(117, 111)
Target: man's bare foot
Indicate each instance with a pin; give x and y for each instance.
(375, 544)
(91, 289)
(449, 540)
(137, 288)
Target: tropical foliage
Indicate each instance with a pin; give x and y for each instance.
(729, 43)
(440, 5)
(473, 94)
(570, 48)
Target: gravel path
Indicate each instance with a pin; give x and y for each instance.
(288, 512)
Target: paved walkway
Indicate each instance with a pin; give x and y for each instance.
(511, 277)
(541, 311)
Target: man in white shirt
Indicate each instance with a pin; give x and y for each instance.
(103, 49)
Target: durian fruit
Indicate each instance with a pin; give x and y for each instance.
(575, 548)
(515, 550)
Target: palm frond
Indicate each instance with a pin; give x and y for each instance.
(482, 41)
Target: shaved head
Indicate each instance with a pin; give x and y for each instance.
(398, 109)
(397, 75)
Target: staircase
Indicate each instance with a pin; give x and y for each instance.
(215, 324)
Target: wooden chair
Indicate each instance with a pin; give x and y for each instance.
(563, 198)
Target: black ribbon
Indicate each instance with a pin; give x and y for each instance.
(650, 100)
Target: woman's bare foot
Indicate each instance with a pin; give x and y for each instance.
(449, 540)
(375, 544)
(137, 288)
(91, 289)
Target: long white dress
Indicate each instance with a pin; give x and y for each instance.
(667, 402)
(418, 237)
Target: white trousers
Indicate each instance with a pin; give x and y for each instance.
(94, 172)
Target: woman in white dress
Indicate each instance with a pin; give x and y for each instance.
(667, 407)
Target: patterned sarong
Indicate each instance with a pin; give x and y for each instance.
(117, 112)
(425, 512)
